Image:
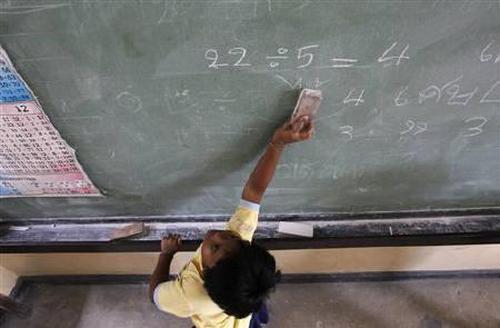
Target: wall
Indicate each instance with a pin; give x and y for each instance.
(373, 259)
(7, 280)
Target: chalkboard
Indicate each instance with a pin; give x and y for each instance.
(169, 103)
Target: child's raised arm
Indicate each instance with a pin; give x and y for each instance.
(301, 128)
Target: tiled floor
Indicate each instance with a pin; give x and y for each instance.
(422, 303)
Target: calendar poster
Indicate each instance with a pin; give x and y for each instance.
(34, 159)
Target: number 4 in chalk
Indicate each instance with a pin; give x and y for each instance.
(350, 97)
(396, 60)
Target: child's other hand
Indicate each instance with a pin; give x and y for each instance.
(171, 244)
(298, 129)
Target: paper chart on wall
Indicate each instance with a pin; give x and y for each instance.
(35, 161)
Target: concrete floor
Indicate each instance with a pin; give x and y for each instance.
(422, 303)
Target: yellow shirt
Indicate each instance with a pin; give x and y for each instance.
(187, 297)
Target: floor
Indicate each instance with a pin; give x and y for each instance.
(423, 303)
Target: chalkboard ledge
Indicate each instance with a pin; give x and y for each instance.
(474, 226)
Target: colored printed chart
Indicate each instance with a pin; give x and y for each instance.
(12, 89)
(34, 159)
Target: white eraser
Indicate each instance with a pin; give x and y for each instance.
(297, 229)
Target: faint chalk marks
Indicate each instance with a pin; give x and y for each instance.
(181, 136)
(28, 9)
(436, 3)
(224, 100)
(180, 101)
(317, 83)
(128, 101)
(487, 96)
(256, 5)
(292, 84)
(221, 103)
(164, 13)
(302, 6)
(64, 106)
(169, 11)
(299, 83)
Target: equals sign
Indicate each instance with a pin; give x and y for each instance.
(343, 62)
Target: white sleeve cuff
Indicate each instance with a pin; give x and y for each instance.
(249, 205)
(155, 297)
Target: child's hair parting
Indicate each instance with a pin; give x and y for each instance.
(241, 283)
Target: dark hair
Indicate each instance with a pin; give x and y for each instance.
(240, 284)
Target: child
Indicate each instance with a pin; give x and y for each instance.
(229, 277)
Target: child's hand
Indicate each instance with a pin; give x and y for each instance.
(171, 244)
(298, 129)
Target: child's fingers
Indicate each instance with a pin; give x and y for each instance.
(310, 134)
(301, 117)
(171, 236)
(298, 126)
(307, 134)
(300, 123)
(307, 126)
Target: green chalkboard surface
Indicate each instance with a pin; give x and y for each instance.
(169, 103)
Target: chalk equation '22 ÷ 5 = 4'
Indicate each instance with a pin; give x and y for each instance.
(394, 53)
(307, 56)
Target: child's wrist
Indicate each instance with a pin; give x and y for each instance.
(277, 145)
(168, 253)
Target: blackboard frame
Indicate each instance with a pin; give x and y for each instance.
(422, 228)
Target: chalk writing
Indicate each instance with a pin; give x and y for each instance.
(451, 90)
(434, 91)
(275, 60)
(213, 55)
(343, 62)
(400, 100)
(347, 130)
(293, 84)
(456, 92)
(350, 99)
(305, 55)
(487, 97)
(390, 60)
(457, 98)
(413, 127)
(477, 123)
(299, 83)
(296, 170)
(487, 56)
(129, 101)
(179, 100)
(239, 51)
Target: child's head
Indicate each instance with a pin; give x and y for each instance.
(238, 275)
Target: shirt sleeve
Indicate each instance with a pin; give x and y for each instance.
(244, 220)
(170, 297)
